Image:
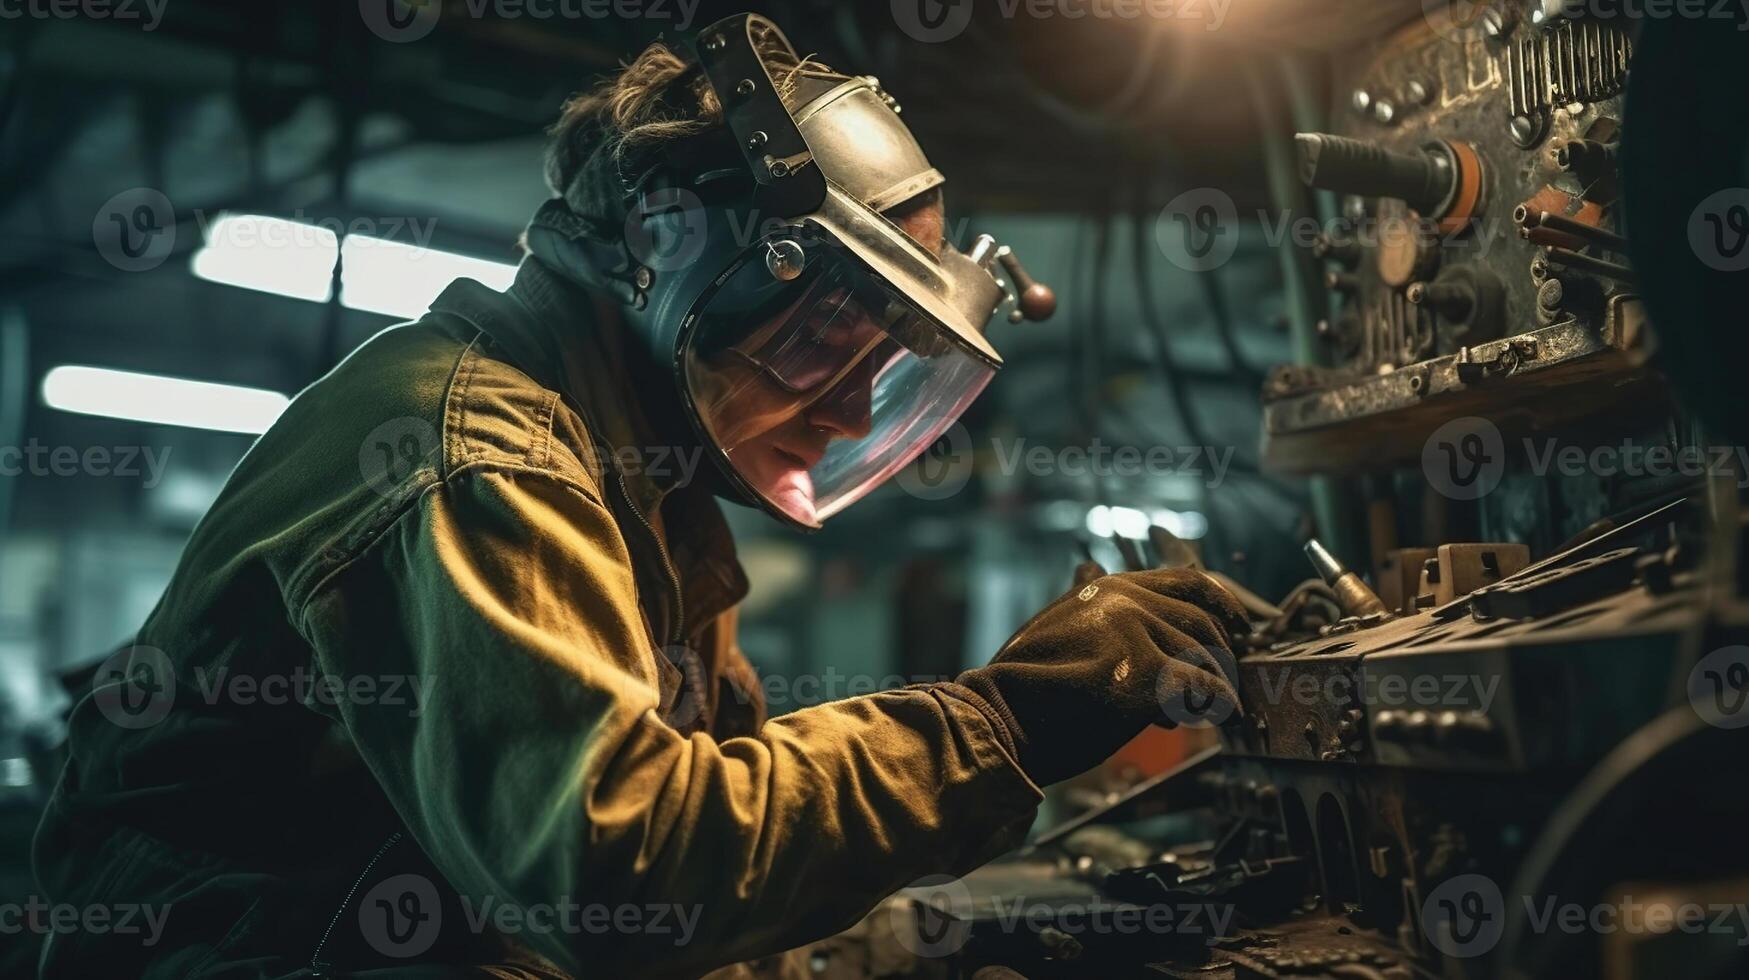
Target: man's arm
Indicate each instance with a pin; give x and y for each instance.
(536, 770)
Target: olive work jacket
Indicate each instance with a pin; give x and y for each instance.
(447, 675)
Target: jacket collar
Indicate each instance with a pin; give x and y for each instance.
(570, 339)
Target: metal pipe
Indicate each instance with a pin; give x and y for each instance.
(1332, 505)
(14, 380)
(1580, 262)
(1579, 229)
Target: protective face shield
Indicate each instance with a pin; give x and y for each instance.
(818, 388)
(817, 346)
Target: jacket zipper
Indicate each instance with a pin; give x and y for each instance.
(317, 966)
(678, 630)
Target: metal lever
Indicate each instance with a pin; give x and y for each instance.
(1036, 301)
(1426, 180)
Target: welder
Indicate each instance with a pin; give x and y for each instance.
(744, 259)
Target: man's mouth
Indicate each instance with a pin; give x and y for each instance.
(797, 460)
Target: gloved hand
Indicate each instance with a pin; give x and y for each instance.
(1112, 655)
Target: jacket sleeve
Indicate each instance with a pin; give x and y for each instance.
(535, 769)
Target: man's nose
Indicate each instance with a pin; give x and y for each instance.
(845, 410)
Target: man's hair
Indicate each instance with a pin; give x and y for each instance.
(646, 108)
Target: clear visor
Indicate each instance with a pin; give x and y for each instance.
(819, 388)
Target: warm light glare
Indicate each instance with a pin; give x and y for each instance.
(161, 400)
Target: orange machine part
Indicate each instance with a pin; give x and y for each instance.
(1469, 194)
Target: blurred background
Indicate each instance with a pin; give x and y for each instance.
(233, 196)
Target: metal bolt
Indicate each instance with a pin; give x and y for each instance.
(1384, 111)
(785, 259)
(1523, 129)
(1362, 101)
(757, 140)
(744, 87)
(643, 277)
(1494, 22)
(714, 43)
(1061, 945)
(1417, 92)
(1549, 294)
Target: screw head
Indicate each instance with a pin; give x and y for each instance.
(1523, 129)
(1362, 101)
(784, 259)
(744, 87)
(714, 43)
(1384, 111)
(643, 277)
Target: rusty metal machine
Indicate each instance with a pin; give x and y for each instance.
(1479, 263)
(1516, 752)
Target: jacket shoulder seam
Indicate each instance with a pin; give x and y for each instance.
(455, 413)
(459, 446)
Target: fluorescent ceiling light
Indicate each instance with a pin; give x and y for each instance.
(296, 259)
(1186, 524)
(1103, 522)
(273, 255)
(380, 275)
(161, 400)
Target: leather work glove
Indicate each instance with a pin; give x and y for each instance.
(1112, 655)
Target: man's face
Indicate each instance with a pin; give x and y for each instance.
(781, 433)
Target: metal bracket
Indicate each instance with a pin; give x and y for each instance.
(776, 154)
